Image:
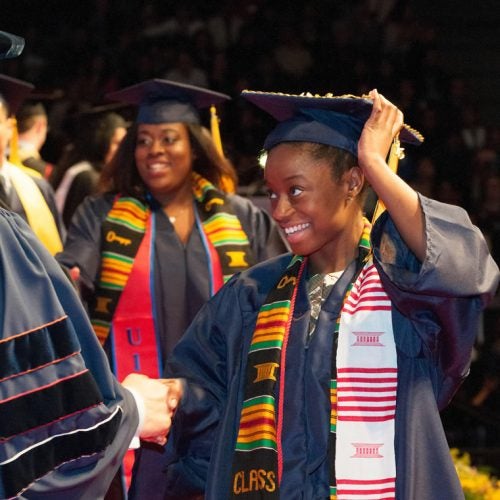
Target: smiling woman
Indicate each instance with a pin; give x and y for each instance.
(162, 238)
(321, 373)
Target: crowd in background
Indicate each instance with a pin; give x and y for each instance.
(88, 48)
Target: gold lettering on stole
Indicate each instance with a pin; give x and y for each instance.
(254, 480)
(237, 259)
(287, 280)
(112, 236)
(213, 201)
(265, 371)
(102, 304)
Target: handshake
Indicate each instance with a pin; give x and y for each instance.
(159, 399)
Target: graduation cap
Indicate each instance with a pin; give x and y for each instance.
(14, 91)
(333, 120)
(166, 101)
(10, 45)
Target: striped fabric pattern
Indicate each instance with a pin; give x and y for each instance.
(115, 266)
(51, 409)
(222, 228)
(130, 213)
(380, 489)
(257, 448)
(257, 424)
(123, 230)
(225, 229)
(367, 394)
(271, 326)
(367, 379)
(115, 270)
(370, 296)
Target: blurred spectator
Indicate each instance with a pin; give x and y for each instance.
(186, 71)
(425, 178)
(77, 175)
(32, 127)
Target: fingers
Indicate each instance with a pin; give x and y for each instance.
(160, 398)
(385, 113)
(174, 394)
(74, 272)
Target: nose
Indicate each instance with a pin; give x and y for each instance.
(281, 208)
(156, 147)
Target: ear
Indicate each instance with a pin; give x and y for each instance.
(355, 181)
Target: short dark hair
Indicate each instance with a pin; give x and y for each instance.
(27, 114)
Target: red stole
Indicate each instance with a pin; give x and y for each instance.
(134, 343)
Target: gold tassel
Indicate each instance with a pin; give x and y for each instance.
(227, 184)
(396, 153)
(214, 129)
(14, 143)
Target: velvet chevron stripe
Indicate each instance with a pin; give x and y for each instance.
(20, 471)
(51, 409)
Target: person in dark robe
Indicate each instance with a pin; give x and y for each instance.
(65, 420)
(163, 238)
(321, 373)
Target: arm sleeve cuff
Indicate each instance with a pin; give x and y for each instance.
(141, 410)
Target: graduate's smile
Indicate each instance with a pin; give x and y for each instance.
(157, 167)
(296, 232)
(163, 157)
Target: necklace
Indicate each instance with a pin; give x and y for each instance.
(173, 218)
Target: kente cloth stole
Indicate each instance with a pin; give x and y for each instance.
(363, 392)
(226, 244)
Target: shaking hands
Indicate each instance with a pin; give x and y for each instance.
(160, 399)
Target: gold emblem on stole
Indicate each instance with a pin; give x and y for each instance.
(265, 371)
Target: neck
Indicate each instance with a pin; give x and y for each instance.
(180, 198)
(339, 253)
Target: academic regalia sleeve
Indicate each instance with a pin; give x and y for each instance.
(64, 420)
(443, 296)
(204, 377)
(83, 185)
(82, 247)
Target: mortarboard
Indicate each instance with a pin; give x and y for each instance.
(333, 120)
(14, 91)
(10, 45)
(165, 101)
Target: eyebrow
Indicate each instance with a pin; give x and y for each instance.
(163, 129)
(295, 177)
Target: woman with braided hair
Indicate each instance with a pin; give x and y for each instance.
(321, 373)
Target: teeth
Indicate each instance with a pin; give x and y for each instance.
(156, 166)
(294, 229)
